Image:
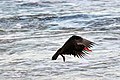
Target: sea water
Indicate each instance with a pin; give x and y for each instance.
(31, 31)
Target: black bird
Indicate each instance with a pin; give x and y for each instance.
(76, 46)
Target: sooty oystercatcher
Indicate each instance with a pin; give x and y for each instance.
(76, 46)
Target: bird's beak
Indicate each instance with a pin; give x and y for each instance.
(87, 49)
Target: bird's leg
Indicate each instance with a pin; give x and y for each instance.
(63, 57)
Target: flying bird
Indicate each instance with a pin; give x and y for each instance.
(76, 46)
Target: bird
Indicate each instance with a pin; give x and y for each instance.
(76, 46)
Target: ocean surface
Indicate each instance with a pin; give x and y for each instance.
(31, 31)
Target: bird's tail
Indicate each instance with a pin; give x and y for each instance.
(55, 56)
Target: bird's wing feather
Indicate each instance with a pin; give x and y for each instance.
(79, 54)
(68, 47)
(87, 43)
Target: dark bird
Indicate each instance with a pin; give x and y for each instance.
(76, 46)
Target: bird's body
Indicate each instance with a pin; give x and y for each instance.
(74, 46)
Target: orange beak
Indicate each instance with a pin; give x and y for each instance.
(87, 49)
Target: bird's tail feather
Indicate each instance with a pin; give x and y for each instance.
(55, 56)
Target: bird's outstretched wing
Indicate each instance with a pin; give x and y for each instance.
(81, 47)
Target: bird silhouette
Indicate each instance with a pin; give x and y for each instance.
(76, 46)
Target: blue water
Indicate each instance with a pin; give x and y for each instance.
(31, 31)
